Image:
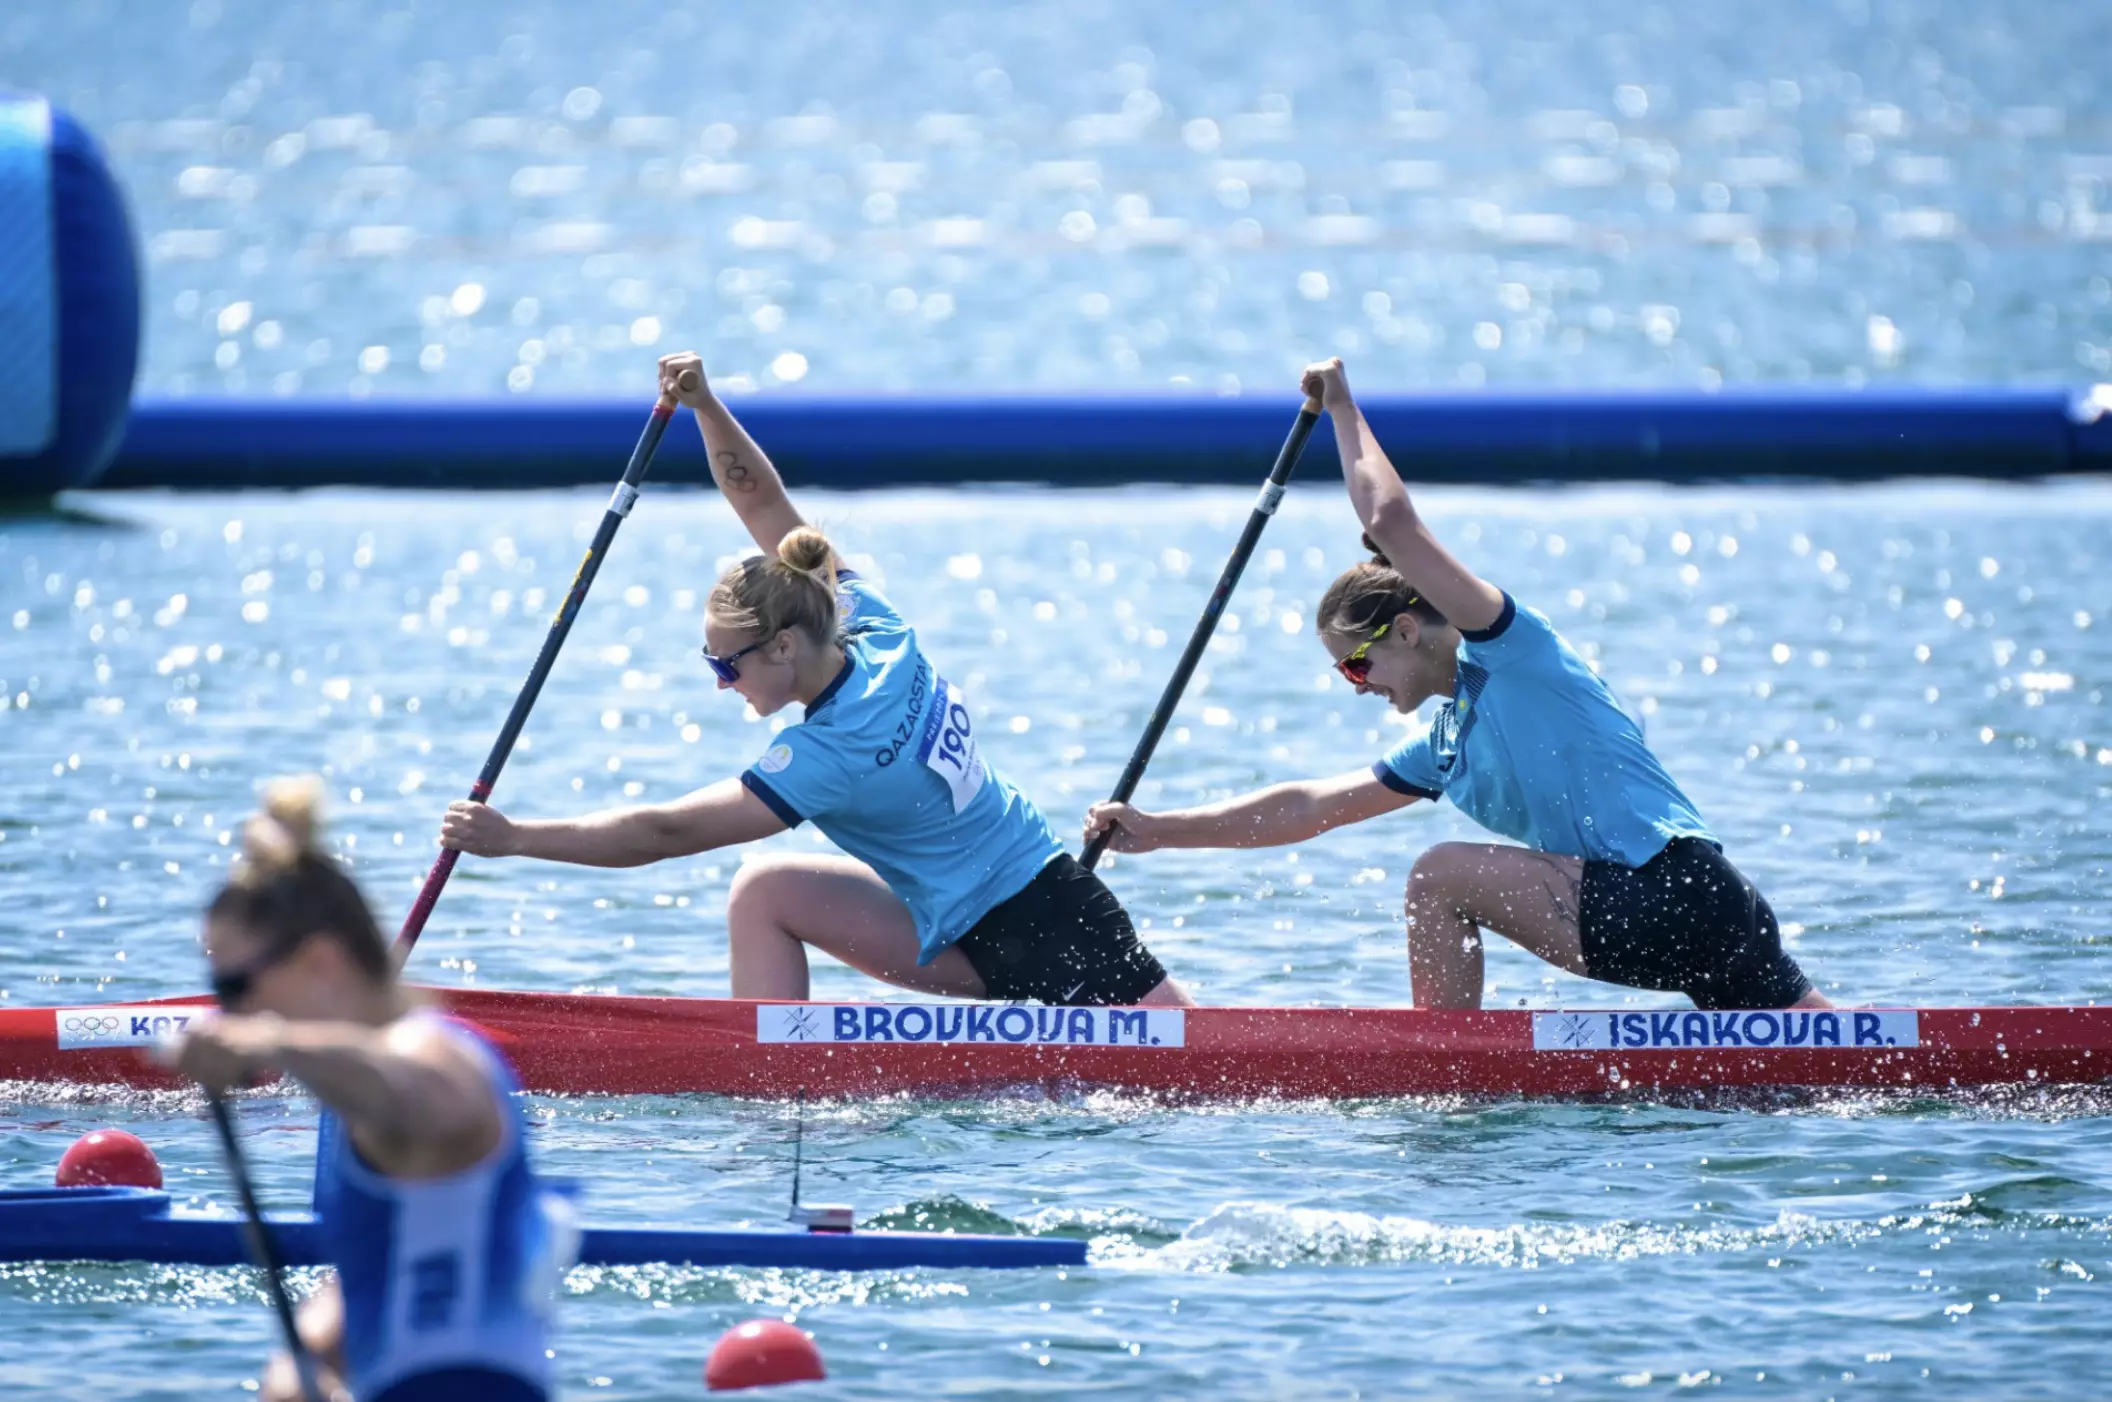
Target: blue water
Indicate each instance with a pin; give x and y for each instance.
(1890, 701)
(435, 199)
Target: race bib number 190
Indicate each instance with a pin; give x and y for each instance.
(948, 746)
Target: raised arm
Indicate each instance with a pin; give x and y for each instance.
(1380, 498)
(742, 470)
(1273, 817)
(722, 815)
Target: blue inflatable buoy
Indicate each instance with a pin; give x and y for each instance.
(69, 302)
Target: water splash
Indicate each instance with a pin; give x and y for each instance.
(1258, 1235)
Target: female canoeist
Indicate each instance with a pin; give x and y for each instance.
(447, 1253)
(954, 884)
(1618, 879)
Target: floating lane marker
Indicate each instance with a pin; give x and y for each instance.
(1741, 1031)
(970, 1023)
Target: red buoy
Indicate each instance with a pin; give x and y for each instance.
(109, 1157)
(763, 1353)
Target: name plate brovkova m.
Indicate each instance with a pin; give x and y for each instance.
(1742, 1031)
(970, 1023)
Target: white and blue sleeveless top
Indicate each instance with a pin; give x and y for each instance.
(446, 1281)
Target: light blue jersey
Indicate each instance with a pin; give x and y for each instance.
(1534, 747)
(447, 1282)
(886, 765)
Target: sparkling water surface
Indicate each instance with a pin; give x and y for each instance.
(1890, 702)
(369, 196)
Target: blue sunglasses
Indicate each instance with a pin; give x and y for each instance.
(727, 669)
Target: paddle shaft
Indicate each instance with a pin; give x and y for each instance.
(1192, 655)
(619, 507)
(262, 1249)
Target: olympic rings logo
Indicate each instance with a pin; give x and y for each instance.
(92, 1026)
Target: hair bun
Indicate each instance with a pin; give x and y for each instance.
(791, 587)
(806, 550)
(1378, 556)
(284, 832)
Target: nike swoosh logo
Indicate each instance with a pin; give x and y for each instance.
(1073, 993)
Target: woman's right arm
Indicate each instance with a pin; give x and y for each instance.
(723, 815)
(742, 470)
(1273, 817)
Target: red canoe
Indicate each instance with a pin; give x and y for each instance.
(569, 1043)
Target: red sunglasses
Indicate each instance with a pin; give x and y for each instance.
(1356, 665)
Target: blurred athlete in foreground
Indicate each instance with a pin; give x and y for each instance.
(446, 1252)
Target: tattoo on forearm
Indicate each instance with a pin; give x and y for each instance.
(734, 473)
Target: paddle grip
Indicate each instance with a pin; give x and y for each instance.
(1192, 655)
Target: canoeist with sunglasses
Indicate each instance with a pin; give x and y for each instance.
(953, 884)
(446, 1252)
(1617, 877)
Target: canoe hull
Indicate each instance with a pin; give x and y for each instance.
(581, 1043)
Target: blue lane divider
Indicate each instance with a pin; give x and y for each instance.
(140, 1224)
(1496, 436)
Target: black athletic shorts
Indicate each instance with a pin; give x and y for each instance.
(1686, 921)
(1063, 938)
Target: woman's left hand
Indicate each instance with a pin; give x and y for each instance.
(1128, 829)
(479, 829)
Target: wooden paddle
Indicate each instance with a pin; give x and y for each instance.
(1264, 507)
(619, 507)
(263, 1250)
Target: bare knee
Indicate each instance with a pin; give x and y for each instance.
(1439, 886)
(1441, 874)
(757, 886)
